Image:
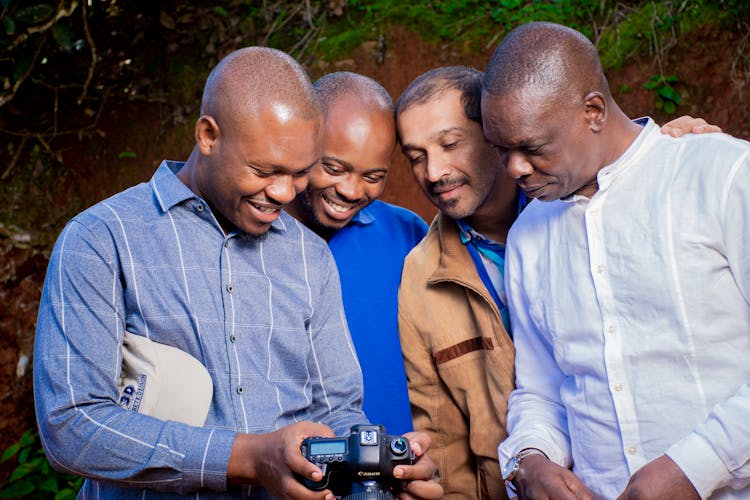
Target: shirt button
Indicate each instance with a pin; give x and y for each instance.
(240, 390)
(233, 338)
(631, 450)
(599, 269)
(611, 329)
(618, 387)
(230, 288)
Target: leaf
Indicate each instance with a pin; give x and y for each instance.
(166, 20)
(10, 25)
(669, 107)
(65, 494)
(61, 34)
(671, 79)
(126, 154)
(49, 484)
(34, 14)
(23, 457)
(221, 11)
(10, 452)
(651, 85)
(28, 438)
(19, 489)
(21, 471)
(669, 94)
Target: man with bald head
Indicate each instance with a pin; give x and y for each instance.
(203, 259)
(628, 284)
(368, 237)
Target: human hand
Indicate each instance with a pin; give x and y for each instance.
(271, 460)
(539, 478)
(420, 477)
(660, 478)
(686, 125)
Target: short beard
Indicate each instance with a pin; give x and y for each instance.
(253, 237)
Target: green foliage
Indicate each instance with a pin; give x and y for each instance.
(667, 98)
(33, 476)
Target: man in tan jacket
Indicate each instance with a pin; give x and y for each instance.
(452, 315)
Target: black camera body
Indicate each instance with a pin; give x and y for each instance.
(367, 455)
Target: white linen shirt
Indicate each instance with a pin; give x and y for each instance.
(631, 318)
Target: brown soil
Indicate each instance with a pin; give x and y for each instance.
(703, 64)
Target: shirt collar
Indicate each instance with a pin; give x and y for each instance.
(468, 233)
(364, 216)
(171, 191)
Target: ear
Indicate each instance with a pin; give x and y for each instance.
(206, 134)
(596, 111)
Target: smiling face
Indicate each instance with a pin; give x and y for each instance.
(550, 147)
(452, 163)
(254, 168)
(358, 143)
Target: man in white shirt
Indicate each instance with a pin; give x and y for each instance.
(628, 291)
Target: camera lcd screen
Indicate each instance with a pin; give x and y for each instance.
(327, 447)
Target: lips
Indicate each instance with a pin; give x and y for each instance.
(264, 212)
(532, 191)
(340, 210)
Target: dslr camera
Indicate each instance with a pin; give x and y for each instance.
(359, 466)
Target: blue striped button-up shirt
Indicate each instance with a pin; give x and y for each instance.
(263, 315)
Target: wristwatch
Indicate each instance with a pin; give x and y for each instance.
(514, 464)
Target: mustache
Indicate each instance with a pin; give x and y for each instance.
(447, 183)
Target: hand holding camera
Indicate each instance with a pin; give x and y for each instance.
(359, 466)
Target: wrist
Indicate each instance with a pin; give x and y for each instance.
(242, 468)
(512, 468)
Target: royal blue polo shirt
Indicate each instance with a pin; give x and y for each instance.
(369, 254)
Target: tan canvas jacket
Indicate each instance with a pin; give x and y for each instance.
(459, 362)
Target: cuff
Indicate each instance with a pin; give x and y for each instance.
(205, 464)
(700, 463)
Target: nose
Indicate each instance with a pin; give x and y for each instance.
(351, 187)
(436, 169)
(282, 189)
(518, 165)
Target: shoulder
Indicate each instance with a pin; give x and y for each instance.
(394, 214)
(290, 231)
(721, 150)
(537, 214)
(425, 256)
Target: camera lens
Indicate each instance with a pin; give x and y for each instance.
(399, 446)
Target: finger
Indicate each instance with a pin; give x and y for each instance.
(425, 490)
(423, 468)
(576, 486)
(707, 129)
(299, 491)
(420, 442)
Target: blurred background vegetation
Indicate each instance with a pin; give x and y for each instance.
(94, 92)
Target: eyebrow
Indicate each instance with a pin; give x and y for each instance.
(281, 168)
(350, 166)
(437, 134)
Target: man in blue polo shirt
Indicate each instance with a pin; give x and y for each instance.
(368, 238)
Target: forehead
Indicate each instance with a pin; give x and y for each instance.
(281, 139)
(353, 112)
(428, 120)
(516, 118)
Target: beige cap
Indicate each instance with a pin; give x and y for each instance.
(164, 382)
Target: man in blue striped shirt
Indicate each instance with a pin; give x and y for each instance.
(202, 258)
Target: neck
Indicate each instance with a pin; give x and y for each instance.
(494, 218)
(299, 211)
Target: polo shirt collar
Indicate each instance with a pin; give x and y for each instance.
(364, 216)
